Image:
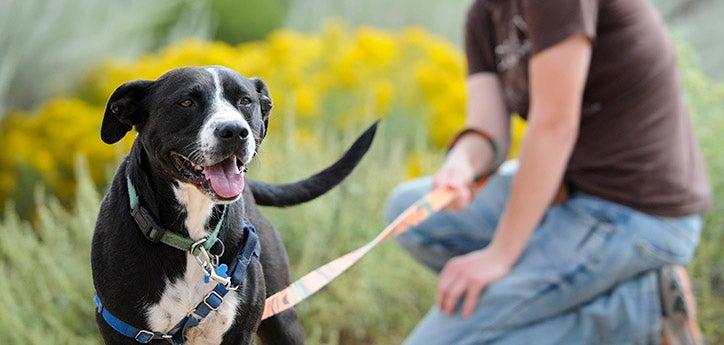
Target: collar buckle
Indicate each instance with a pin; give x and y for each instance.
(148, 226)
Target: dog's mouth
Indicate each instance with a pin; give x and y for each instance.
(225, 179)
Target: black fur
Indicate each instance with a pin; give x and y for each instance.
(129, 272)
(289, 194)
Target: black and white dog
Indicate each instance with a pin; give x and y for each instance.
(198, 128)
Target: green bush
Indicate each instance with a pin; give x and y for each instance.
(45, 268)
(706, 102)
(48, 46)
(46, 275)
(247, 20)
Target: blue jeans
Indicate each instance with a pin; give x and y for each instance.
(587, 276)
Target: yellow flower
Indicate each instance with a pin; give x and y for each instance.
(517, 130)
(383, 93)
(336, 79)
(413, 167)
(307, 101)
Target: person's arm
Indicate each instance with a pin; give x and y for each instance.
(472, 154)
(557, 80)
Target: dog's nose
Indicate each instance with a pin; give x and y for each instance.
(231, 130)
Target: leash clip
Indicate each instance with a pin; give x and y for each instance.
(206, 261)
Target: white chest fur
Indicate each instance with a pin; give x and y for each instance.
(181, 296)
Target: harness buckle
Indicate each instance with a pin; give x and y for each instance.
(149, 228)
(214, 294)
(144, 336)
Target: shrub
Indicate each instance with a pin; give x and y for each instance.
(341, 75)
(706, 102)
(336, 79)
(45, 272)
(43, 144)
(240, 21)
(47, 47)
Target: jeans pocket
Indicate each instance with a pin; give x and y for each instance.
(572, 239)
(674, 240)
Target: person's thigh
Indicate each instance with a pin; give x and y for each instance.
(628, 314)
(582, 249)
(447, 234)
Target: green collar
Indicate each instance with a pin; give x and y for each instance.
(156, 233)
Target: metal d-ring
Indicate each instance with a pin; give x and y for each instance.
(221, 252)
(206, 259)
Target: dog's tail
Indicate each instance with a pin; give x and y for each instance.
(289, 194)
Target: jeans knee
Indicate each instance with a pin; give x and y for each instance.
(409, 241)
(404, 196)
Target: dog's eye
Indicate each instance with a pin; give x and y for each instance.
(244, 101)
(186, 103)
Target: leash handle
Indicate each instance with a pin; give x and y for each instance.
(435, 201)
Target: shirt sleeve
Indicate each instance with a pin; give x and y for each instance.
(552, 21)
(478, 39)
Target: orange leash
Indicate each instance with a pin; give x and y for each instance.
(313, 281)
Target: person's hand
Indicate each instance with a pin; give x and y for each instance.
(468, 275)
(457, 173)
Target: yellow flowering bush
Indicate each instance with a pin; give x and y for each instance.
(347, 75)
(46, 142)
(319, 82)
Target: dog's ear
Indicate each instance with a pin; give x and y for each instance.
(265, 101)
(124, 110)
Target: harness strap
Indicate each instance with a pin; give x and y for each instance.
(211, 302)
(250, 249)
(154, 232)
(140, 335)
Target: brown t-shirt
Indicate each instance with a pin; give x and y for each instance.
(636, 145)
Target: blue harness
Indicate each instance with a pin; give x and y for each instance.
(227, 280)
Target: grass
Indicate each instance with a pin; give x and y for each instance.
(47, 284)
(706, 102)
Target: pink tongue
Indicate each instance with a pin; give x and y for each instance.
(226, 178)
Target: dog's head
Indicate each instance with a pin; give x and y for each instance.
(199, 125)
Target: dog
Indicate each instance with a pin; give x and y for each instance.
(198, 129)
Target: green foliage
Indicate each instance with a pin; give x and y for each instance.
(47, 46)
(247, 20)
(46, 272)
(706, 102)
(381, 299)
(45, 268)
(444, 18)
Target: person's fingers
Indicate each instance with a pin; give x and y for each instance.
(459, 181)
(463, 197)
(471, 297)
(452, 296)
(442, 283)
(442, 178)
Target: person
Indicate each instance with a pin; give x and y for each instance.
(573, 244)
